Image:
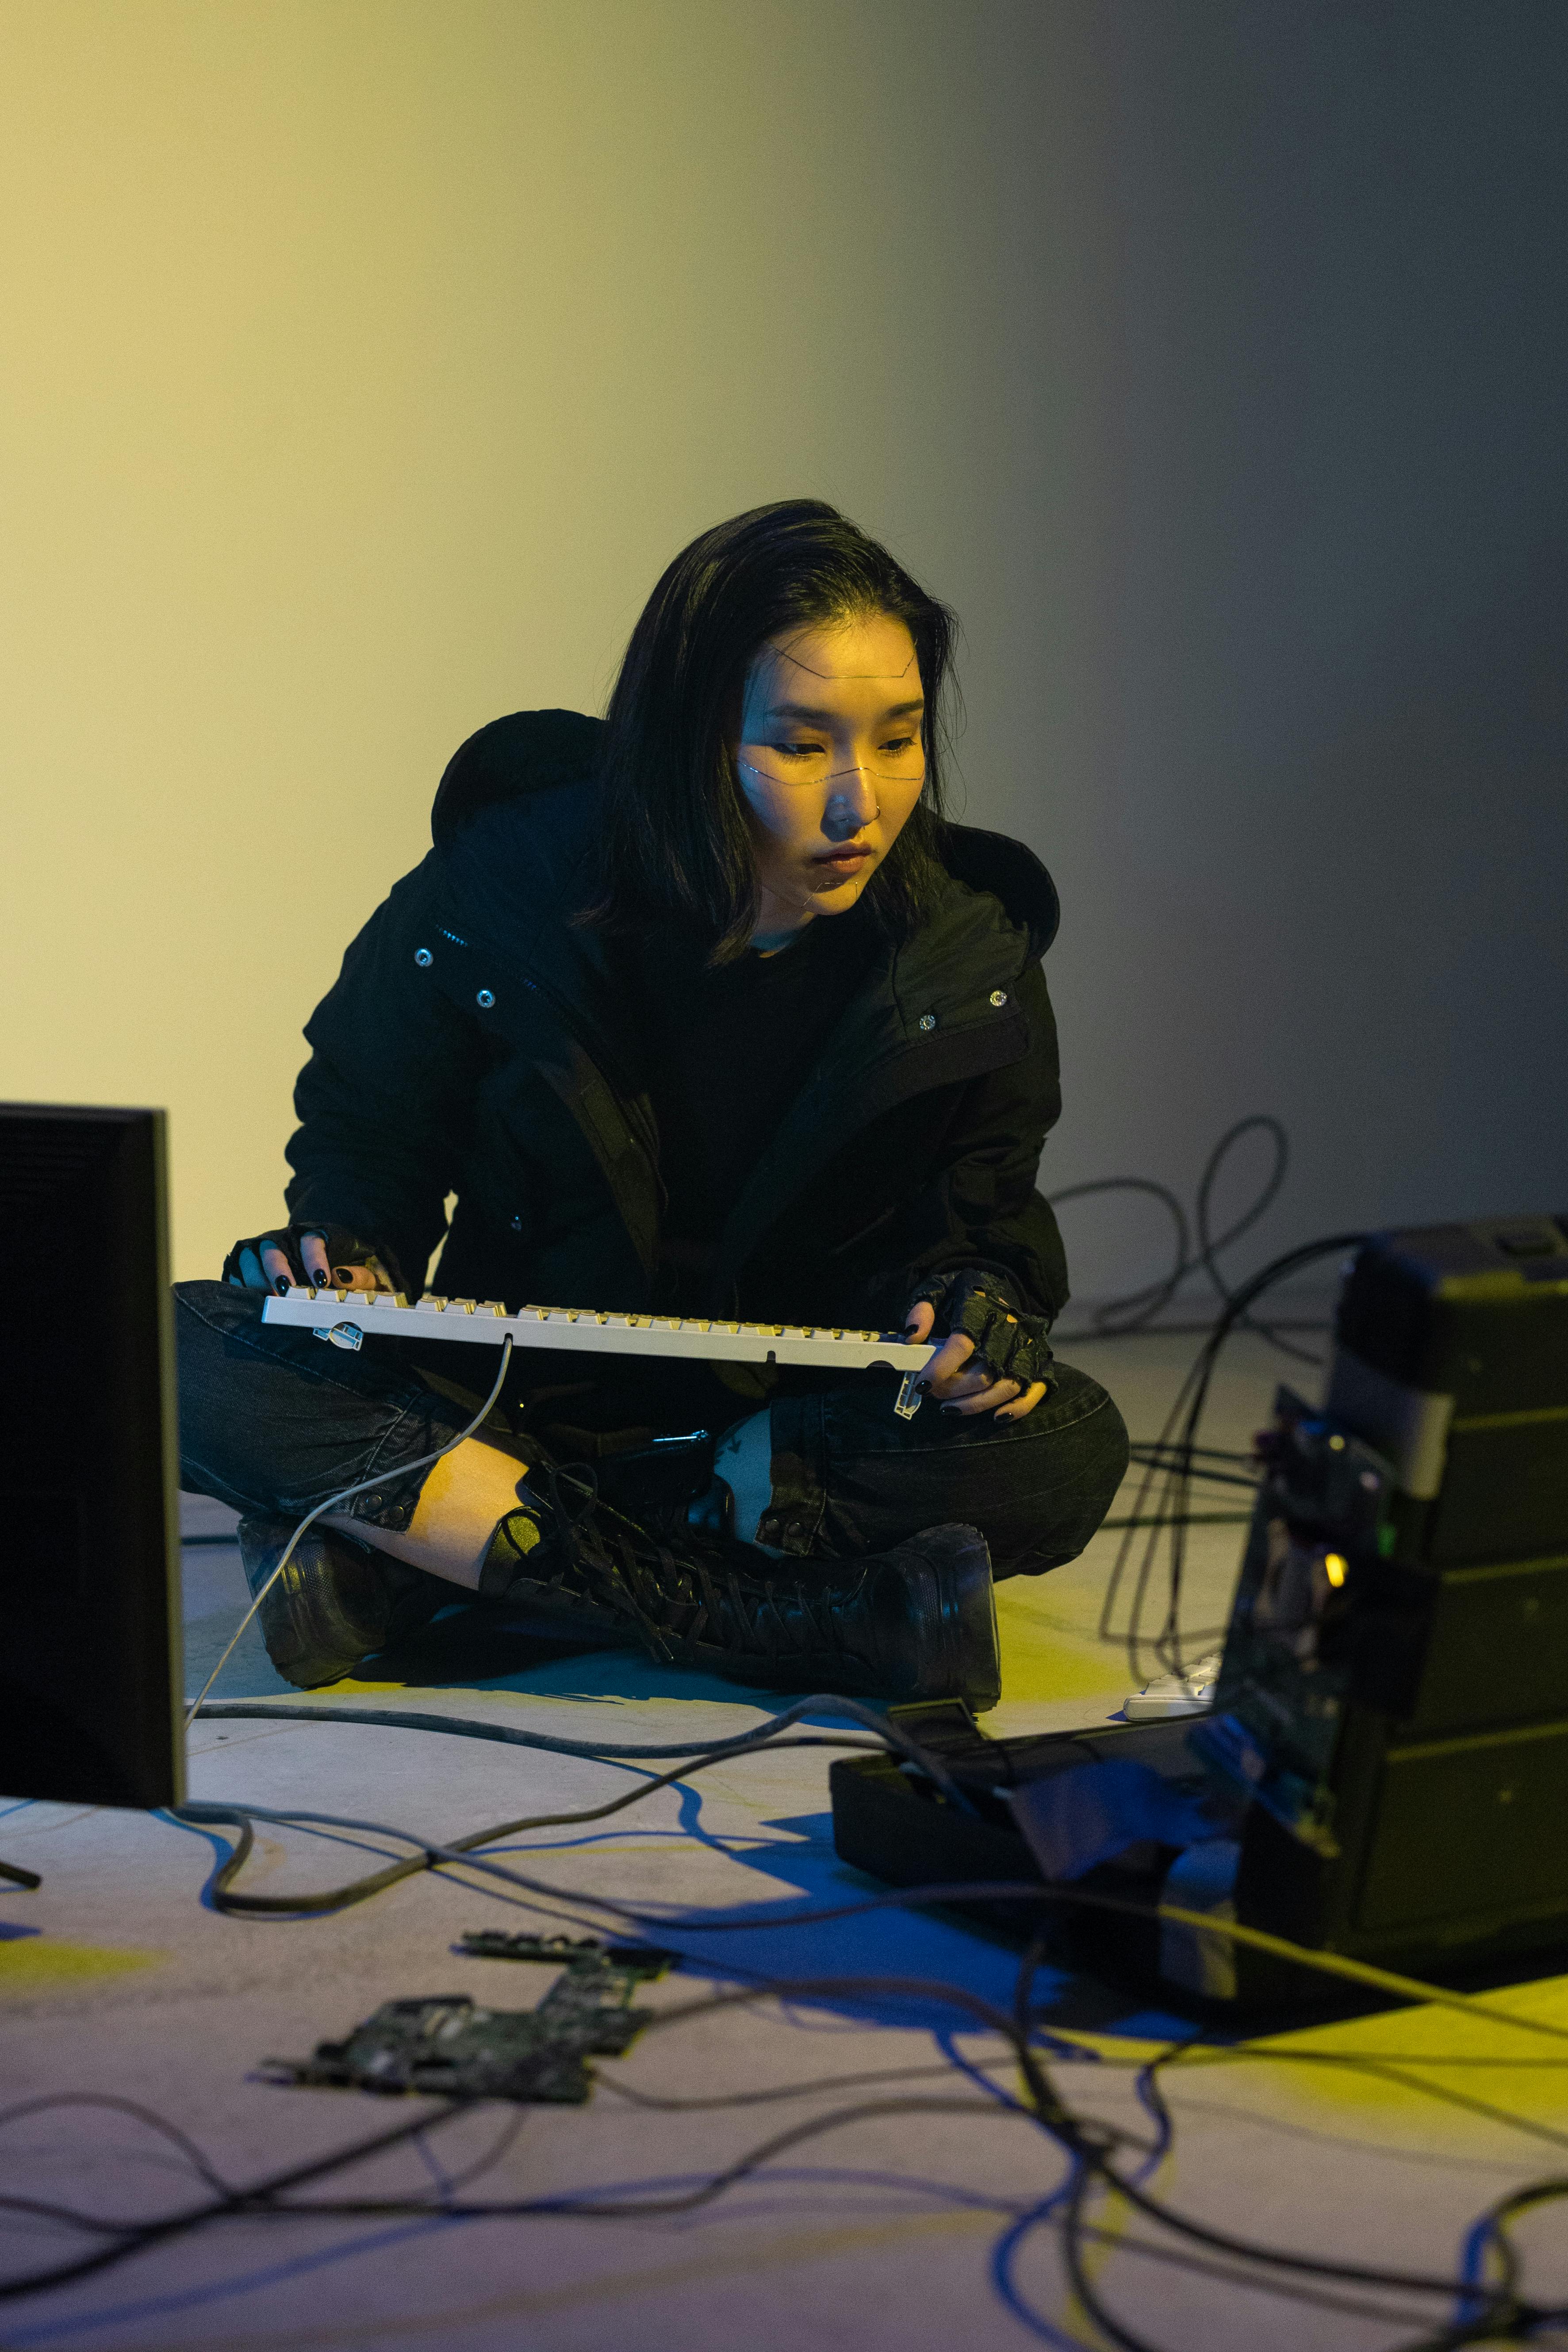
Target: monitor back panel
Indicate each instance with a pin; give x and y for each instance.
(90, 1665)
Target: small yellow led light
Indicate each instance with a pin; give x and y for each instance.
(1335, 1567)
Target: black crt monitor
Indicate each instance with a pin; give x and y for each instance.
(92, 1672)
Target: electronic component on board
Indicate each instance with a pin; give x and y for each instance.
(452, 2047)
(586, 1953)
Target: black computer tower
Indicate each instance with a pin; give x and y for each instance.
(1391, 1723)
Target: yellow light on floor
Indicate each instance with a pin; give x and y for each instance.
(1334, 1567)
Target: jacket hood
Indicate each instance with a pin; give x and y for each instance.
(536, 751)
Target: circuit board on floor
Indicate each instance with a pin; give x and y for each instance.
(452, 2046)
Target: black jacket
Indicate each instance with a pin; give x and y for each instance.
(479, 1043)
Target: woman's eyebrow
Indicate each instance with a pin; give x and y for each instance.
(811, 717)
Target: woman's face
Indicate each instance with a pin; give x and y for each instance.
(831, 761)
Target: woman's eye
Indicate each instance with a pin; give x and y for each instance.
(799, 750)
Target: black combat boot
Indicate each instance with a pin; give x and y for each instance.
(918, 1621)
(336, 1602)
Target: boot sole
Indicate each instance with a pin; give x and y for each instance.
(302, 1650)
(968, 1663)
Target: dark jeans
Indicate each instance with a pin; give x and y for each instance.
(272, 1419)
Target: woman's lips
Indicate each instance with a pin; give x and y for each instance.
(845, 858)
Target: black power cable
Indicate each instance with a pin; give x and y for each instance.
(223, 1898)
(1324, 1962)
(1091, 2147)
(1498, 2312)
(1136, 1309)
(1518, 2321)
(1171, 1463)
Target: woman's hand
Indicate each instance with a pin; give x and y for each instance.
(322, 1255)
(971, 1387)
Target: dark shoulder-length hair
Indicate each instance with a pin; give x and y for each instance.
(675, 844)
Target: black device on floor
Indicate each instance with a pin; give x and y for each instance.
(90, 1667)
(1384, 1770)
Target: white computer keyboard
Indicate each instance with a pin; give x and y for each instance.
(346, 1318)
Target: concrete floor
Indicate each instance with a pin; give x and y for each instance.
(908, 2227)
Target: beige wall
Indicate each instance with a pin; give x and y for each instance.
(362, 361)
(363, 365)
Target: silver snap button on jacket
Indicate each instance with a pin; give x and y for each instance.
(928, 1020)
(998, 996)
(422, 956)
(485, 998)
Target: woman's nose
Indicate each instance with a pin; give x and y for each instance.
(852, 802)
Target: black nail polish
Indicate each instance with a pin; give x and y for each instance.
(282, 1285)
(343, 1275)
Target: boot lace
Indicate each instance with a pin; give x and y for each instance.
(674, 1598)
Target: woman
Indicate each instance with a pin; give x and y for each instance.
(703, 1008)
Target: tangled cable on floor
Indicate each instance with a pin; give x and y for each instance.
(1135, 1311)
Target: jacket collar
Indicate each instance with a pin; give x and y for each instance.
(515, 880)
(940, 1006)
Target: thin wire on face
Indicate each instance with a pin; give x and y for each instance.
(906, 766)
(801, 772)
(769, 776)
(891, 677)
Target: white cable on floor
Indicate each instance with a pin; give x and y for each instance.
(422, 1463)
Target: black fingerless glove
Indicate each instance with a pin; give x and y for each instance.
(342, 1247)
(1012, 1345)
